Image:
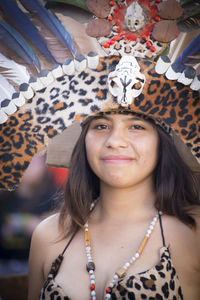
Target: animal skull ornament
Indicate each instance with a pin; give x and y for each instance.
(134, 17)
(126, 82)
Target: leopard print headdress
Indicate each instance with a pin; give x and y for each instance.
(123, 70)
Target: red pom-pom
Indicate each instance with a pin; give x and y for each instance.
(112, 3)
(153, 49)
(111, 42)
(92, 287)
(157, 18)
(148, 43)
(108, 290)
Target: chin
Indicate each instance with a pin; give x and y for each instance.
(121, 182)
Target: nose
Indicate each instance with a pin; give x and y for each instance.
(117, 139)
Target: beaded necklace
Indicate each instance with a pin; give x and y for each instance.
(122, 271)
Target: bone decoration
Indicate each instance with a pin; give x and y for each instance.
(177, 71)
(44, 79)
(187, 75)
(162, 64)
(68, 67)
(26, 90)
(8, 106)
(134, 17)
(36, 84)
(126, 82)
(195, 85)
(57, 71)
(80, 63)
(93, 60)
(18, 99)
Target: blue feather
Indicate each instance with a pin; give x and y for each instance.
(34, 6)
(192, 49)
(13, 40)
(24, 25)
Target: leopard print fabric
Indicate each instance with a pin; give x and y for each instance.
(70, 98)
(158, 283)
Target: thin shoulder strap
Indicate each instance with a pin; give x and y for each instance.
(73, 235)
(161, 228)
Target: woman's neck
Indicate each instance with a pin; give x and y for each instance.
(124, 204)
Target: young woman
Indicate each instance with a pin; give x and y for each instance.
(129, 226)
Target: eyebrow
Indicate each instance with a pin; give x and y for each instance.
(131, 118)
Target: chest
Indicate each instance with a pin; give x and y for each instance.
(109, 256)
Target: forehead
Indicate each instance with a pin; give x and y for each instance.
(122, 115)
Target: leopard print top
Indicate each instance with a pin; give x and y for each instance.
(158, 283)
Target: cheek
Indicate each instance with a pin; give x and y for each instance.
(153, 152)
(148, 150)
(88, 142)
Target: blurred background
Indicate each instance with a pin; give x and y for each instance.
(41, 190)
(39, 193)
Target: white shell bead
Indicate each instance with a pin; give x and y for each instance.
(3, 117)
(125, 267)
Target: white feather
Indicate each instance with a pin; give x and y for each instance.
(6, 89)
(15, 72)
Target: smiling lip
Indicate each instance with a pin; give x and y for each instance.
(112, 159)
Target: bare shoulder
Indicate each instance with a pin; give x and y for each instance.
(48, 229)
(44, 248)
(44, 238)
(184, 241)
(184, 246)
(182, 235)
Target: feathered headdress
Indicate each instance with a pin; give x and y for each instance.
(120, 66)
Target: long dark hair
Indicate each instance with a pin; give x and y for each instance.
(176, 186)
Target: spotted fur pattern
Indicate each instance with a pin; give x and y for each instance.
(158, 283)
(137, 48)
(70, 98)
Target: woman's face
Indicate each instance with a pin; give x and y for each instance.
(122, 149)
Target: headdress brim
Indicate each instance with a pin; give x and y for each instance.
(79, 88)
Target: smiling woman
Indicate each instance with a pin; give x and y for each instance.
(121, 149)
(125, 174)
(129, 225)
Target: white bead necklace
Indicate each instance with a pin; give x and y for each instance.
(122, 271)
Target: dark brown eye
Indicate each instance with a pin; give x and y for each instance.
(137, 86)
